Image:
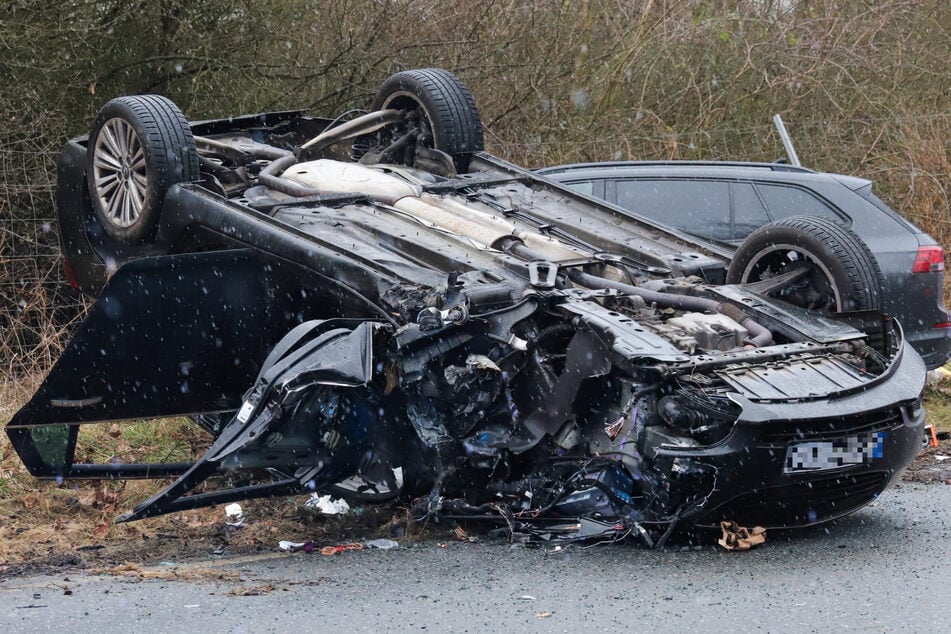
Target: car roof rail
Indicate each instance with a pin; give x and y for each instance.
(776, 167)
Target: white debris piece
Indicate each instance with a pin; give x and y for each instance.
(326, 505)
(234, 515)
(939, 375)
(382, 544)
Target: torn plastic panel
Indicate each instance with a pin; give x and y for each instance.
(295, 419)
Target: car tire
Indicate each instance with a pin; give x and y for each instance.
(843, 273)
(450, 112)
(139, 146)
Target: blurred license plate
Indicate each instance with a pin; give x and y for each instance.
(834, 454)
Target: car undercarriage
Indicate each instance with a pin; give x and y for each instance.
(378, 309)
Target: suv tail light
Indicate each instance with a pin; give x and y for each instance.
(929, 260)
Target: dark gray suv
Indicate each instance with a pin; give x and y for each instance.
(729, 205)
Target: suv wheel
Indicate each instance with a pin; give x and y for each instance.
(828, 266)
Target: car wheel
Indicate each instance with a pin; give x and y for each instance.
(139, 146)
(440, 106)
(828, 267)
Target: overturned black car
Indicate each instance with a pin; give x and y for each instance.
(376, 308)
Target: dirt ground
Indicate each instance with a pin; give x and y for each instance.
(124, 549)
(932, 466)
(96, 544)
(45, 526)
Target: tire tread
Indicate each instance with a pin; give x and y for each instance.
(171, 156)
(457, 122)
(841, 245)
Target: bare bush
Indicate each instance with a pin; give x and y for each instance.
(857, 83)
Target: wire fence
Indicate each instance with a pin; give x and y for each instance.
(36, 305)
(557, 83)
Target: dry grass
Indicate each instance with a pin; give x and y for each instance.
(916, 169)
(938, 405)
(42, 522)
(177, 573)
(73, 523)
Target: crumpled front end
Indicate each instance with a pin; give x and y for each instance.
(601, 428)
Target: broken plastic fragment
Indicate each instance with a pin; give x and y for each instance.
(736, 537)
(931, 437)
(463, 536)
(295, 546)
(382, 544)
(234, 515)
(326, 505)
(482, 362)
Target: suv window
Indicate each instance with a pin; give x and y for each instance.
(783, 201)
(703, 207)
(748, 211)
(582, 187)
(698, 207)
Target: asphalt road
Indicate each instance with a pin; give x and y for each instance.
(886, 568)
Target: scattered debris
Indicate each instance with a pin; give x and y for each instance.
(234, 515)
(327, 505)
(307, 546)
(67, 591)
(737, 537)
(931, 436)
(463, 536)
(333, 550)
(252, 591)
